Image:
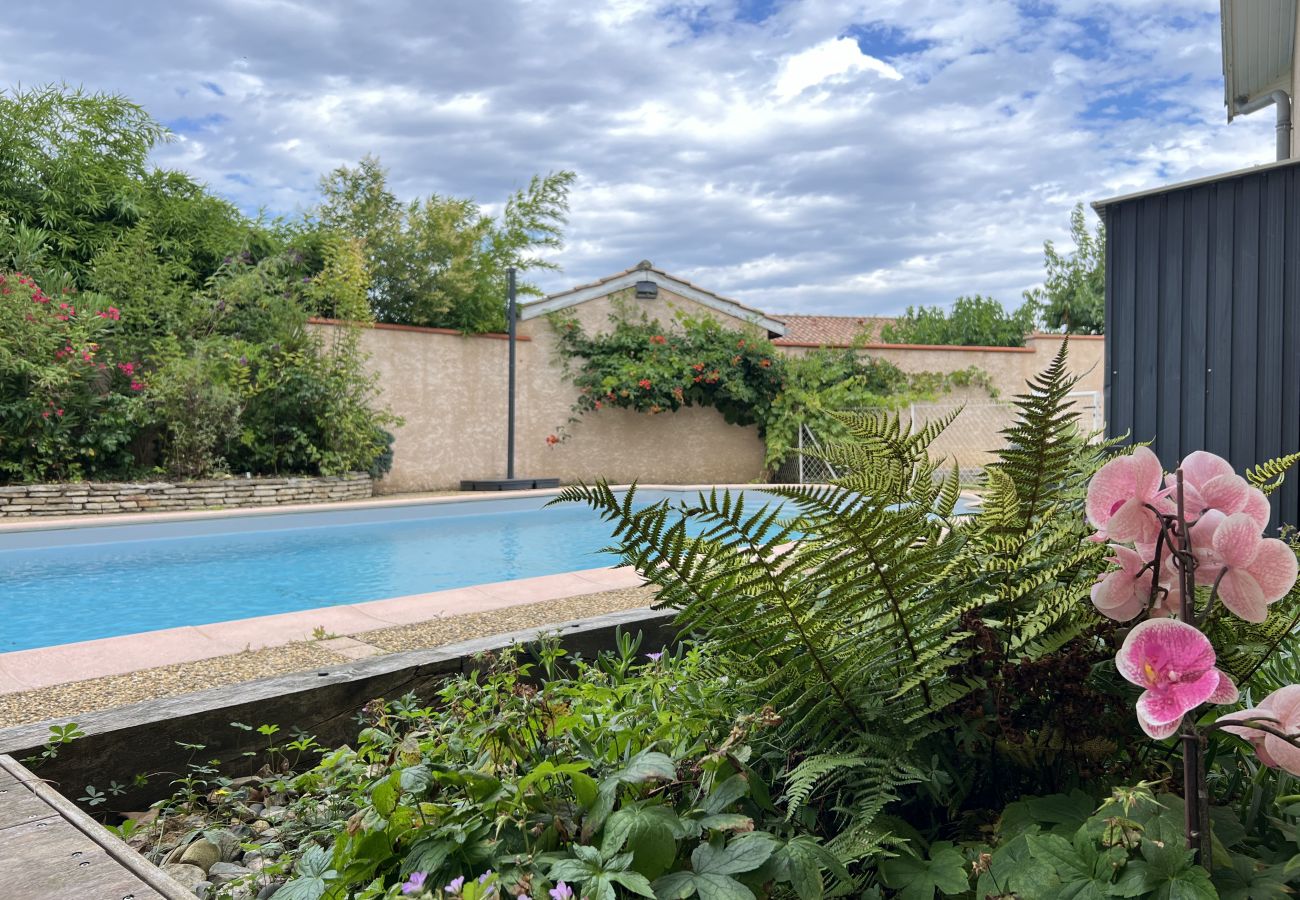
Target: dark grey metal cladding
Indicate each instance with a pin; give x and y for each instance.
(1203, 320)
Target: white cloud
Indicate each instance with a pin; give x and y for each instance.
(836, 156)
(835, 61)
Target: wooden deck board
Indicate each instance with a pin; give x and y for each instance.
(49, 848)
(51, 858)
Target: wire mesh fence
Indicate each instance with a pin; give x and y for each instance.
(972, 440)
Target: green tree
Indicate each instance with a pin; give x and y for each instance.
(1073, 295)
(441, 261)
(172, 328)
(974, 321)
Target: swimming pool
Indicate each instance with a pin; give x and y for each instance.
(82, 583)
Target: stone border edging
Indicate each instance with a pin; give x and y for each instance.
(101, 497)
(141, 738)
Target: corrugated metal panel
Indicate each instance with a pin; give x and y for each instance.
(1203, 321)
(1258, 42)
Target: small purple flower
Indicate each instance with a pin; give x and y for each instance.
(654, 657)
(415, 884)
(456, 884)
(561, 892)
(485, 876)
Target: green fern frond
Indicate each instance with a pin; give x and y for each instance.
(1268, 476)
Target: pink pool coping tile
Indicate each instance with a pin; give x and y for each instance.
(42, 667)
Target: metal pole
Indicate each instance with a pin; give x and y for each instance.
(801, 481)
(511, 315)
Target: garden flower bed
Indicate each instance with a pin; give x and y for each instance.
(873, 697)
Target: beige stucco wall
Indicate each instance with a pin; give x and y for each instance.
(1008, 367)
(451, 391)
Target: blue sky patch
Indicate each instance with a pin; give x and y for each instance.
(192, 125)
(884, 41)
(213, 87)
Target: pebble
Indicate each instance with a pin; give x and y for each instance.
(187, 876)
(227, 842)
(274, 813)
(202, 853)
(224, 873)
(260, 826)
(203, 889)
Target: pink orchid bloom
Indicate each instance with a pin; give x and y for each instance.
(1209, 482)
(1174, 662)
(1123, 593)
(1280, 710)
(1118, 496)
(1259, 570)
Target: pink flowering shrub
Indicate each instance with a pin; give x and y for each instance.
(65, 404)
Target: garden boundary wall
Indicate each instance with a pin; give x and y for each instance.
(114, 497)
(450, 389)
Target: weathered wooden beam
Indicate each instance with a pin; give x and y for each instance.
(144, 738)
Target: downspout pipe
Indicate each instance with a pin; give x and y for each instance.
(1283, 102)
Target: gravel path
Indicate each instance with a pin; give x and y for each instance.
(68, 700)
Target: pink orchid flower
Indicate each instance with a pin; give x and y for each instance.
(1259, 570)
(1118, 496)
(1174, 662)
(1280, 710)
(1209, 482)
(1123, 593)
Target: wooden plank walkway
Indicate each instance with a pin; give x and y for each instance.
(51, 849)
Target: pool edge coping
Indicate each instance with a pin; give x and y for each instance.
(61, 664)
(100, 520)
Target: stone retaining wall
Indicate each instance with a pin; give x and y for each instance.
(87, 497)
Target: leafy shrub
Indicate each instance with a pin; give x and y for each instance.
(974, 321)
(199, 412)
(631, 775)
(66, 402)
(383, 463)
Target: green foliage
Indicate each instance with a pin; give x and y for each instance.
(441, 261)
(899, 642)
(199, 411)
(639, 364)
(974, 321)
(619, 777)
(66, 404)
(1268, 476)
(73, 168)
(642, 365)
(1073, 296)
(203, 363)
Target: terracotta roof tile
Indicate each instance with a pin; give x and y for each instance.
(832, 331)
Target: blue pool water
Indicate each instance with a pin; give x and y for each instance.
(81, 583)
(77, 584)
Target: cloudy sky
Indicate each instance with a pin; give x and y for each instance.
(819, 156)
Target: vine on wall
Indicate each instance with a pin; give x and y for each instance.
(642, 365)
